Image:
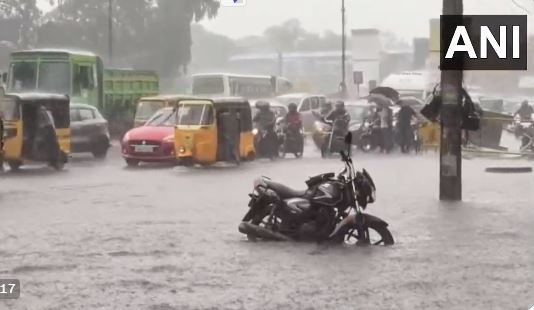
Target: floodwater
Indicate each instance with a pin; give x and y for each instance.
(102, 236)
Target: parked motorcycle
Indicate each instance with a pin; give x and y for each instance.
(330, 209)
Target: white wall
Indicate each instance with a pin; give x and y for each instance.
(366, 53)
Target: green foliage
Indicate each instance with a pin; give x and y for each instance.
(151, 34)
(25, 12)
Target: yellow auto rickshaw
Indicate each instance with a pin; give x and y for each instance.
(146, 107)
(213, 130)
(1, 138)
(430, 135)
(36, 129)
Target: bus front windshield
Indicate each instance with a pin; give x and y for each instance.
(52, 77)
(195, 114)
(208, 85)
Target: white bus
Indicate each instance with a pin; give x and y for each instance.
(247, 86)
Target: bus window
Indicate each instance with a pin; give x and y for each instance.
(23, 76)
(208, 85)
(54, 77)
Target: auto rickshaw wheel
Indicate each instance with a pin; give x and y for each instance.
(250, 156)
(187, 162)
(14, 165)
(58, 165)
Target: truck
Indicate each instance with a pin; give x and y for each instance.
(82, 76)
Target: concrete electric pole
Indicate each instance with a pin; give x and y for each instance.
(343, 85)
(110, 31)
(450, 188)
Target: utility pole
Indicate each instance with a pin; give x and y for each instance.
(343, 85)
(110, 31)
(450, 188)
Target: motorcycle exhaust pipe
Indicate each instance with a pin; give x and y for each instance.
(260, 232)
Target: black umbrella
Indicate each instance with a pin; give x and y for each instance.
(386, 91)
(379, 100)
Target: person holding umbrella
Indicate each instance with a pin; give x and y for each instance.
(404, 126)
(384, 114)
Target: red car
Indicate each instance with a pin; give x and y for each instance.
(153, 142)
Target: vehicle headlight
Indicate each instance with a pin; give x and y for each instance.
(318, 126)
(126, 138)
(255, 131)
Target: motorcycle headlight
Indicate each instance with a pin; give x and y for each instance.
(255, 131)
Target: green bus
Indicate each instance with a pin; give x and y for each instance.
(82, 76)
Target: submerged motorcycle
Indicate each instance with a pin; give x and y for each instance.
(331, 209)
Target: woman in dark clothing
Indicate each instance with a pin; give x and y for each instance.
(404, 127)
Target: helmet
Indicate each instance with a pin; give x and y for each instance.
(292, 107)
(340, 105)
(263, 105)
(524, 103)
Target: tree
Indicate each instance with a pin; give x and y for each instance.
(152, 34)
(284, 37)
(27, 13)
(210, 51)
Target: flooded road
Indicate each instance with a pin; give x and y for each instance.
(102, 236)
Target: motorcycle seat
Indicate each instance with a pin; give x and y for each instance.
(283, 191)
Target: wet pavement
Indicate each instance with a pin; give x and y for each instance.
(103, 236)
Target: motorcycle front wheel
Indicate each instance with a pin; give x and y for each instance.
(374, 234)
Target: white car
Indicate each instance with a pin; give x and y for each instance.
(306, 104)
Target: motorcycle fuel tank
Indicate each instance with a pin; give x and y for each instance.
(297, 205)
(327, 193)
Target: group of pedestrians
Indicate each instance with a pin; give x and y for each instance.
(403, 133)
